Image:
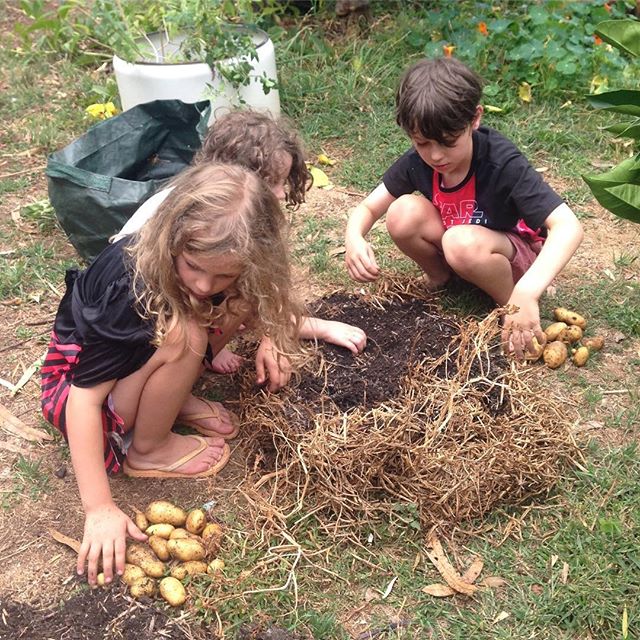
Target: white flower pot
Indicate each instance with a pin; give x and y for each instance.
(155, 79)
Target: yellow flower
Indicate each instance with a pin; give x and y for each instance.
(448, 50)
(102, 111)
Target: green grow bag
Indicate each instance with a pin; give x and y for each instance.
(98, 181)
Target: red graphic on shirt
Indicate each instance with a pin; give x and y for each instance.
(458, 206)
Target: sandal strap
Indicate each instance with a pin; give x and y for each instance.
(202, 445)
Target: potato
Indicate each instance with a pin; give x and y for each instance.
(555, 354)
(172, 591)
(161, 511)
(180, 533)
(162, 530)
(570, 317)
(159, 546)
(143, 587)
(186, 549)
(553, 330)
(144, 558)
(215, 567)
(131, 574)
(536, 352)
(212, 530)
(573, 333)
(190, 568)
(196, 521)
(581, 356)
(141, 520)
(593, 344)
(100, 581)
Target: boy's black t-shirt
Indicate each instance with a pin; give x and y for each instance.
(500, 189)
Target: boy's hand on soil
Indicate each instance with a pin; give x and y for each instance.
(270, 370)
(361, 260)
(344, 335)
(105, 532)
(519, 328)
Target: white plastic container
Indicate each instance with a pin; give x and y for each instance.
(155, 79)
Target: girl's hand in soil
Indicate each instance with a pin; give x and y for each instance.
(341, 334)
(271, 370)
(519, 328)
(105, 532)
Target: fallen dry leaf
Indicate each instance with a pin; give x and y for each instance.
(438, 590)
(473, 570)
(503, 615)
(564, 574)
(492, 582)
(435, 553)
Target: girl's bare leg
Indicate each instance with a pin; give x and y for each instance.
(415, 226)
(481, 256)
(150, 399)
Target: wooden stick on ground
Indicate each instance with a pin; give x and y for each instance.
(14, 425)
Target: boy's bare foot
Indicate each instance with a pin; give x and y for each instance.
(226, 362)
(175, 447)
(208, 418)
(431, 284)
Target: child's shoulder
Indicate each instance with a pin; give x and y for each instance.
(492, 141)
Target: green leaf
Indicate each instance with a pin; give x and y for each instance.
(625, 129)
(621, 101)
(629, 195)
(622, 34)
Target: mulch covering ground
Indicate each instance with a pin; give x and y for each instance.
(430, 415)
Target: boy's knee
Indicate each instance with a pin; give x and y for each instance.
(406, 214)
(461, 246)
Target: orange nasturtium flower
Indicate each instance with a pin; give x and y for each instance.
(607, 6)
(597, 39)
(448, 50)
(482, 28)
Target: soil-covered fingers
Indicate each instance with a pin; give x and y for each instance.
(361, 264)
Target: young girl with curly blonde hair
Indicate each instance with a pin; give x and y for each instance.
(132, 329)
(273, 149)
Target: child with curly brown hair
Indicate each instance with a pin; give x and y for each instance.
(132, 329)
(273, 149)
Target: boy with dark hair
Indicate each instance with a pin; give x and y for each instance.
(481, 210)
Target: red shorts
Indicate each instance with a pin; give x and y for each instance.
(55, 386)
(525, 252)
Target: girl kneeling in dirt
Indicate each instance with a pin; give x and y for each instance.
(131, 332)
(273, 149)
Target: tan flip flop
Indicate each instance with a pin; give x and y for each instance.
(167, 471)
(190, 420)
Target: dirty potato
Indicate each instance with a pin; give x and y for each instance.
(593, 344)
(196, 521)
(159, 546)
(172, 591)
(581, 356)
(161, 511)
(573, 333)
(553, 330)
(555, 354)
(570, 317)
(186, 549)
(215, 567)
(140, 520)
(131, 574)
(535, 351)
(179, 533)
(144, 558)
(190, 568)
(143, 587)
(162, 530)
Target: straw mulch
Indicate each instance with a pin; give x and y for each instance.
(465, 432)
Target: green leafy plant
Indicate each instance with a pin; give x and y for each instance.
(211, 31)
(618, 190)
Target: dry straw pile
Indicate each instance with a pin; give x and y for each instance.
(468, 432)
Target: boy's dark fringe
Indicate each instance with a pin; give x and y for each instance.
(437, 449)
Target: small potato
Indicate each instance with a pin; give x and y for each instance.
(593, 344)
(161, 511)
(159, 546)
(196, 521)
(141, 520)
(536, 352)
(172, 591)
(144, 558)
(570, 317)
(190, 568)
(215, 567)
(553, 330)
(162, 530)
(131, 574)
(212, 530)
(180, 533)
(186, 549)
(581, 356)
(100, 581)
(555, 354)
(573, 333)
(143, 587)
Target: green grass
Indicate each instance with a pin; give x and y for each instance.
(29, 481)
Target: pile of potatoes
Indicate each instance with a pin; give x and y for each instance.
(566, 337)
(180, 544)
